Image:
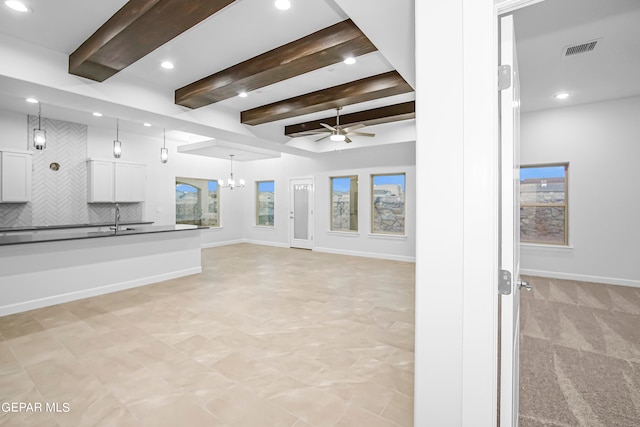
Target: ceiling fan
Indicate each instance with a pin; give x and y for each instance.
(338, 133)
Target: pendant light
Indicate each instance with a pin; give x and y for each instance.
(164, 153)
(231, 183)
(39, 135)
(117, 145)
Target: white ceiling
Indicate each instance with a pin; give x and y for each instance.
(244, 29)
(35, 47)
(610, 71)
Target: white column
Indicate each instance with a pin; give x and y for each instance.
(456, 254)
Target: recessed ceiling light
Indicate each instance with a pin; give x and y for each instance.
(282, 4)
(32, 100)
(147, 124)
(167, 65)
(350, 60)
(17, 6)
(97, 114)
(562, 95)
(243, 94)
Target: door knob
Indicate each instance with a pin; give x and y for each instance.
(527, 287)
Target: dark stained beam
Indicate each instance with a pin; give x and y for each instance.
(367, 89)
(320, 49)
(138, 28)
(375, 116)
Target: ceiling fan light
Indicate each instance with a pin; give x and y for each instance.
(337, 137)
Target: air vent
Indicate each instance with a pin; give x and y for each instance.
(580, 48)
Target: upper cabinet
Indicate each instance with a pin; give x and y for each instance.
(15, 177)
(115, 182)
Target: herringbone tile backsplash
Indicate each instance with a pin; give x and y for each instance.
(60, 197)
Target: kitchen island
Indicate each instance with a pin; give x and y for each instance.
(41, 269)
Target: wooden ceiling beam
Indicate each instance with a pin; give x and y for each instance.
(320, 49)
(375, 116)
(367, 89)
(138, 28)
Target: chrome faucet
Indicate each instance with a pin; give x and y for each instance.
(117, 216)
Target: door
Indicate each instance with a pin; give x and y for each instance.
(301, 213)
(509, 101)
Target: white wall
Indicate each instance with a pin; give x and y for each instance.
(14, 131)
(396, 158)
(601, 142)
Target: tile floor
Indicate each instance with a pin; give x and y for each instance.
(263, 337)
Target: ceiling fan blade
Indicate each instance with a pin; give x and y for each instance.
(346, 139)
(328, 127)
(354, 127)
(362, 133)
(324, 137)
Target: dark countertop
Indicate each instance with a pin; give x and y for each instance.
(78, 234)
(64, 226)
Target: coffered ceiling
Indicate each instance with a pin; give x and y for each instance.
(288, 62)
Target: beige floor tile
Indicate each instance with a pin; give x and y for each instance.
(37, 348)
(316, 407)
(178, 411)
(19, 325)
(8, 362)
(263, 337)
(399, 410)
(355, 416)
(238, 407)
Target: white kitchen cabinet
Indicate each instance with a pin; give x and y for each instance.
(129, 182)
(117, 182)
(15, 177)
(100, 181)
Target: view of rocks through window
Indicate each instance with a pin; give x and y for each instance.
(543, 204)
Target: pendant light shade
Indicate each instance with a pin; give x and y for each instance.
(117, 145)
(39, 135)
(164, 152)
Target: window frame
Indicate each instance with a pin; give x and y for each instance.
(351, 178)
(564, 205)
(257, 203)
(371, 188)
(218, 197)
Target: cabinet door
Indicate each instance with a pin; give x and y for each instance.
(137, 183)
(123, 182)
(100, 176)
(15, 171)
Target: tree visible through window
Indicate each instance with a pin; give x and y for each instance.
(344, 203)
(388, 203)
(197, 202)
(264, 203)
(543, 204)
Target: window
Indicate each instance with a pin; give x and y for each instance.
(197, 202)
(264, 203)
(344, 203)
(387, 202)
(543, 204)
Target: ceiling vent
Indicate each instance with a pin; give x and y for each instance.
(580, 48)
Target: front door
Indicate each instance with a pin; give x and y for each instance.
(301, 213)
(509, 225)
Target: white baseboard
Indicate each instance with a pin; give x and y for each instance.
(366, 254)
(87, 293)
(581, 277)
(224, 243)
(267, 243)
